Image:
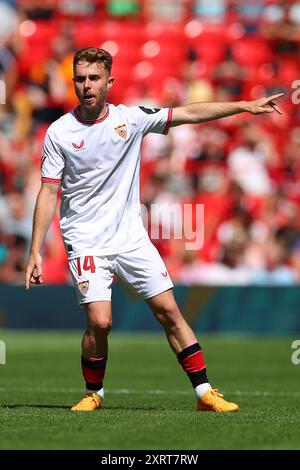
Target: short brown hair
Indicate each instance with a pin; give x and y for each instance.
(92, 55)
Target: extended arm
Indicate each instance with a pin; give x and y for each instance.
(195, 113)
(43, 214)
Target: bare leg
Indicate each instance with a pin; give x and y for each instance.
(99, 320)
(189, 353)
(178, 332)
(94, 354)
(181, 339)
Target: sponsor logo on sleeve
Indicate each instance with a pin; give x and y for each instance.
(149, 110)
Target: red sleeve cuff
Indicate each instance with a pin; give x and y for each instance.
(50, 180)
(167, 127)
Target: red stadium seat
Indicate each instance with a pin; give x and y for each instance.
(39, 31)
(210, 41)
(288, 72)
(173, 34)
(251, 51)
(37, 37)
(88, 33)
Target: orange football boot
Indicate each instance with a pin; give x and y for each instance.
(214, 401)
(90, 402)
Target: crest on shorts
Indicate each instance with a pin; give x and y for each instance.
(83, 286)
(121, 131)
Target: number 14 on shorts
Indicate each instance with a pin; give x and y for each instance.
(87, 265)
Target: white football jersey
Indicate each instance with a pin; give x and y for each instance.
(97, 164)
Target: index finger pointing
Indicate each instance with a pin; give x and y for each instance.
(274, 97)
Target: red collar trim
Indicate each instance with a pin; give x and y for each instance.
(90, 121)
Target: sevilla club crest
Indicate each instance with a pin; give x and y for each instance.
(83, 286)
(121, 131)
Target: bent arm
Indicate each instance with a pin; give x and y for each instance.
(43, 214)
(196, 113)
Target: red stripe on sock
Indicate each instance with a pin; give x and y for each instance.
(93, 376)
(193, 363)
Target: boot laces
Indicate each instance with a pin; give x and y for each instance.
(92, 397)
(216, 394)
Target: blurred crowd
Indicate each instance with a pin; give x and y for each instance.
(244, 170)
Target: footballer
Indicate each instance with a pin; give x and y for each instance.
(93, 154)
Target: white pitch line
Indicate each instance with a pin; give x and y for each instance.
(124, 391)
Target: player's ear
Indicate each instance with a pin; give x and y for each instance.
(110, 82)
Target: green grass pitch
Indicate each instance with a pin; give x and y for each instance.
(149, 402)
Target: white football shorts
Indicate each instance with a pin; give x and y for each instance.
(142, 272)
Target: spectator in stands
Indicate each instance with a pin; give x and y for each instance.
(197, 87)
(123, 8)
(35, 9)
(229, 78)
(227, 270)
(248, 163)
(173, 11)
(290, 167)
(277, 271)
(9, 20)
(294, 260)
(48, 97)
(214, 10)
(235, 230)
(274, 83)
(248, 12)
(281, 26)
(48, 89)
(14, 214)
(12, 261)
